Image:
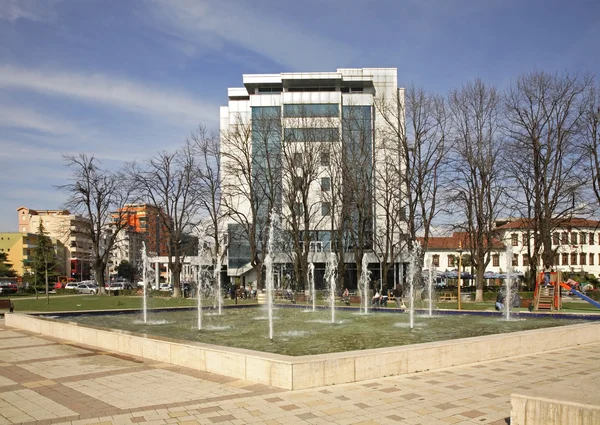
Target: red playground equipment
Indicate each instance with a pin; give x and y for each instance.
(547, 295)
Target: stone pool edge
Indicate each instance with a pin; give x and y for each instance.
(311, 371)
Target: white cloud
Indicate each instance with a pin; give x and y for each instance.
(28, 119)
(274, 37)
(12, 10)
(120, 93)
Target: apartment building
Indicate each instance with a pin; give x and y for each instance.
(575, 242)
(20, 250)
(300, 131)
(69, 229)
(143, 225)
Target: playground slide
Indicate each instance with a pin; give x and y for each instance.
(580, 295)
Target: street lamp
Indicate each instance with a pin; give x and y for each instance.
(460, 251)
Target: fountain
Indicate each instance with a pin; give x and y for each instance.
(217, 276)
(508, 282)
(311, 281)
(145, 281)
(296, 335)
(364, 284)
(432, 277)
(269, 273)
(412, 272)
(330, 276)
(199, 280)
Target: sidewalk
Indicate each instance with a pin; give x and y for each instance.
(44, 381)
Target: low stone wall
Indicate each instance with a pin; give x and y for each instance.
(570, 402)
(316, 370)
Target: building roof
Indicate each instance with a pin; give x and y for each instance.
(44, 212)
(566, 223)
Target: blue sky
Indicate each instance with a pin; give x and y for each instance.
(123, 79)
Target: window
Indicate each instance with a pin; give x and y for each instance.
(451, 261)
(297, 182)
(524, 236)
(591, 235)
(435, 260)
(311, 134)
(316, 246)
(269, 90)
(582, 238)
(514, 239)
(325, 159)
(573, 259)
(325, 184)
(325, 208)
(525, 260)
(311, 110)
(565, 260)
(298, 208)
(591, 259)
(515, 260)
(565, 238)
(555, 239)
(297, 159)
(496, 260)
(573, 238)
(582, 258)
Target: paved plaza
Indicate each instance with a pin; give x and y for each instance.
(44, 380)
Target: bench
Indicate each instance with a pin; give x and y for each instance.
(448, 296)
(7, 305)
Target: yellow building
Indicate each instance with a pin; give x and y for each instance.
(20, 251)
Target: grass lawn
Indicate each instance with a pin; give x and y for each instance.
(95, 302)
(28, 303)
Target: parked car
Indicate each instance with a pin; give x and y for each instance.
(165, 287)
(87, 288)
(72, 285)
(7, 288)
(118, 286)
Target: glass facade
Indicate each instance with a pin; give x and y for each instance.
(311, 134)
(311, 110)
(238, 253)
(357, 141)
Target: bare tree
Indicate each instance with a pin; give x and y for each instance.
(252, 191)
(100, 197)
(544, 127)
(206, 148)
(478, 173)
(305, 188)
(591, 141)
(416, 132)
(170, 182)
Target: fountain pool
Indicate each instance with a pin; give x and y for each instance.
(313, 370)
(299, 332)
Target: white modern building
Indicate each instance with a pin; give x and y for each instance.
(308, 145)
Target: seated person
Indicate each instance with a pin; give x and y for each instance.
(375, 300)
(499, 301)
(346, 296)
(398, 296)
